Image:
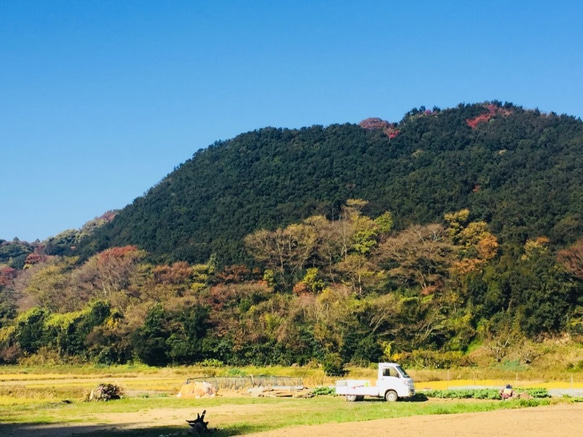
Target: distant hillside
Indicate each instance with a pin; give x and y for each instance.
(519, 170)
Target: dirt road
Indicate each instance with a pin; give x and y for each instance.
(558, 420)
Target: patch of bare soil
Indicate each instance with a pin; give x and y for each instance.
(559, 421)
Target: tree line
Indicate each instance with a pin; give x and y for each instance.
(354, 288)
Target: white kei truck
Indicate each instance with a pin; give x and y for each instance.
(392, 384)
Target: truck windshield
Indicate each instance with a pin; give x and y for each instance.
(402, 371)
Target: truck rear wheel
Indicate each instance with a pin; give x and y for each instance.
(351, 398)
(391, 396)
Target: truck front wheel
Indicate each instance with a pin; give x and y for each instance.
(391, 396)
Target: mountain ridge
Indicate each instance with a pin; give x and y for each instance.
(516, 169)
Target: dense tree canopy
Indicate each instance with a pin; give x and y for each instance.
(349, 289)
(518, 170)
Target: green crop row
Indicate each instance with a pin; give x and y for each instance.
(482, 393)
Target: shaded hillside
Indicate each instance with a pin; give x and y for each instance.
(519, 170)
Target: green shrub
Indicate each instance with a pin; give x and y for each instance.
(235, 372)
(333, 365)
(538, 392)
(521, 403)
(575, 366)
(324, 391)
(211, 362)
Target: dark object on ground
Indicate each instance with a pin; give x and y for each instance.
(198, 425)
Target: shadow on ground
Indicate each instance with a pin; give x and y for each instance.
(110, 430)
(419, 397)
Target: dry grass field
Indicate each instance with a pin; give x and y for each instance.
(49, 402)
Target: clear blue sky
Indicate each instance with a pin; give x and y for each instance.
(100, 100)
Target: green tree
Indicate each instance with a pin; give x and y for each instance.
(149, 342)
(188, 332)
(30, 329)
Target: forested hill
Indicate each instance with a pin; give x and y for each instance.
(519, 170)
